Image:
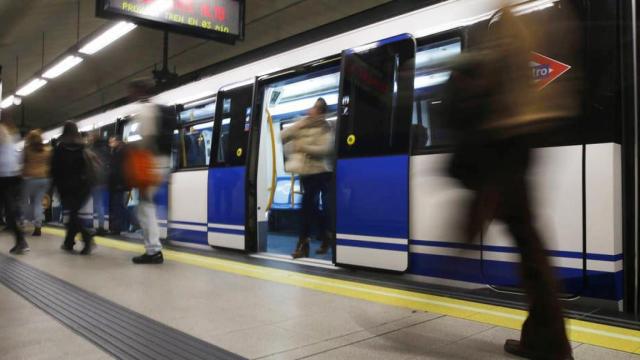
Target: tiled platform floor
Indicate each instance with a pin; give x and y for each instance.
(254, 318)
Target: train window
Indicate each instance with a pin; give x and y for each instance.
(429, 126)
(194, 138)
(376, 95)
(234, 122)
(196, 145)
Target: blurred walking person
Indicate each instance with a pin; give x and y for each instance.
(148, 165)
(71, 176)
(100, 148)
(308, 144)
(10, 183)
(495, 107)
(35, 173)
(117, 186)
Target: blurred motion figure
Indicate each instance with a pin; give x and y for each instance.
(496, 109)
(35, 173)
(308, 144)
(10, 182)
(71, 176)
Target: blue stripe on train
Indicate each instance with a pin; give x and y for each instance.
(514, 250)
(605, 285)
(189, 236)
(226, 231)
(372, 245)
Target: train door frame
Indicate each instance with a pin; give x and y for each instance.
(379, 239)
(226, 177)
(252, 232)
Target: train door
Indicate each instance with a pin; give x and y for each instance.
(281, 101)
(372, 166)
(226, 181)
(191, 158)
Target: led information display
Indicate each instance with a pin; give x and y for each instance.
(213, 19)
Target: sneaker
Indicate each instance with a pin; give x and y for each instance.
(66, 247)
(145, 258)
(37, 231)
(20, 248)
(88, 247)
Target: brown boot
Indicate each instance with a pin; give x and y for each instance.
(327, 243)
(302, 249)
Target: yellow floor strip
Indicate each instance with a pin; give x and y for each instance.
(581, 331)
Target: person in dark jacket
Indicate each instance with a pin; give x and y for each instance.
(117, 186)
(70, 176)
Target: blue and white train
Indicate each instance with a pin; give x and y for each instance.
(396, 208)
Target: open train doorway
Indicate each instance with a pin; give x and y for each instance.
(283, 101)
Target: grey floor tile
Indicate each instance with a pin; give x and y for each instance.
(590, 352)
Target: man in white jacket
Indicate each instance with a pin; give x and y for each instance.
(10, 169)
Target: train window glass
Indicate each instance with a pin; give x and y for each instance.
(201, 111)
(194, 138)
(376, 94)
(195, 145)
(430, 128)
(235, 123)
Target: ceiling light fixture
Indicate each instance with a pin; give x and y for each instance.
(112, 34)
(31, 87)
(8, 101)
(62, 67)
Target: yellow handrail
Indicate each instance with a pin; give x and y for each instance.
(273, 161)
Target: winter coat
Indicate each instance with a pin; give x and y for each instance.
(69, 174)
(308, 146)
(36, 163)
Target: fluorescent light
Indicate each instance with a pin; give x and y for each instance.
(31, 87)
(532, 6)
(112, 34)
(431, 79)
(62, 67)
(133, 138)
(302, 104)
(208, 125)
(8, 101)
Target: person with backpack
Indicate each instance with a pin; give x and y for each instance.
(100, 149)
(71, 175)
(10, 183)
(497, 112)
(148, 164)
(35, 173)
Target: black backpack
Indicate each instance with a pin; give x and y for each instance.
(168, 124)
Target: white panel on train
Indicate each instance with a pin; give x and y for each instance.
(556, 193)
(188, 199)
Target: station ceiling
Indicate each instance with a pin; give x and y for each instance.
(102, 79)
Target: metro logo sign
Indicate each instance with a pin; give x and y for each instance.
(545, 69)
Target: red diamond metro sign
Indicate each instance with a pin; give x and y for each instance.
(545, 69)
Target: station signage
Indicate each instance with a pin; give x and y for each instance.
(545, 69)
(221, 20)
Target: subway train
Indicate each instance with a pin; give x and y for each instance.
(396, 209)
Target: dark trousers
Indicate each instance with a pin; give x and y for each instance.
(315, 187)
(504, 195)
(74, 225)
(117, 210)
(9, 190)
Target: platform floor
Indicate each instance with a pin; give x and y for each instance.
(263, 314)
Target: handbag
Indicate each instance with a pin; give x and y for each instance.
(139, 169)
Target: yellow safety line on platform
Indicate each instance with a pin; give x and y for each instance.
(580, 331)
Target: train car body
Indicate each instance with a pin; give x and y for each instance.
(396, 209)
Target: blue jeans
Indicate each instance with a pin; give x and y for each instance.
(33, 191)
(98, 204)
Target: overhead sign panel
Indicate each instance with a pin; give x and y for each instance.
(221, 20)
